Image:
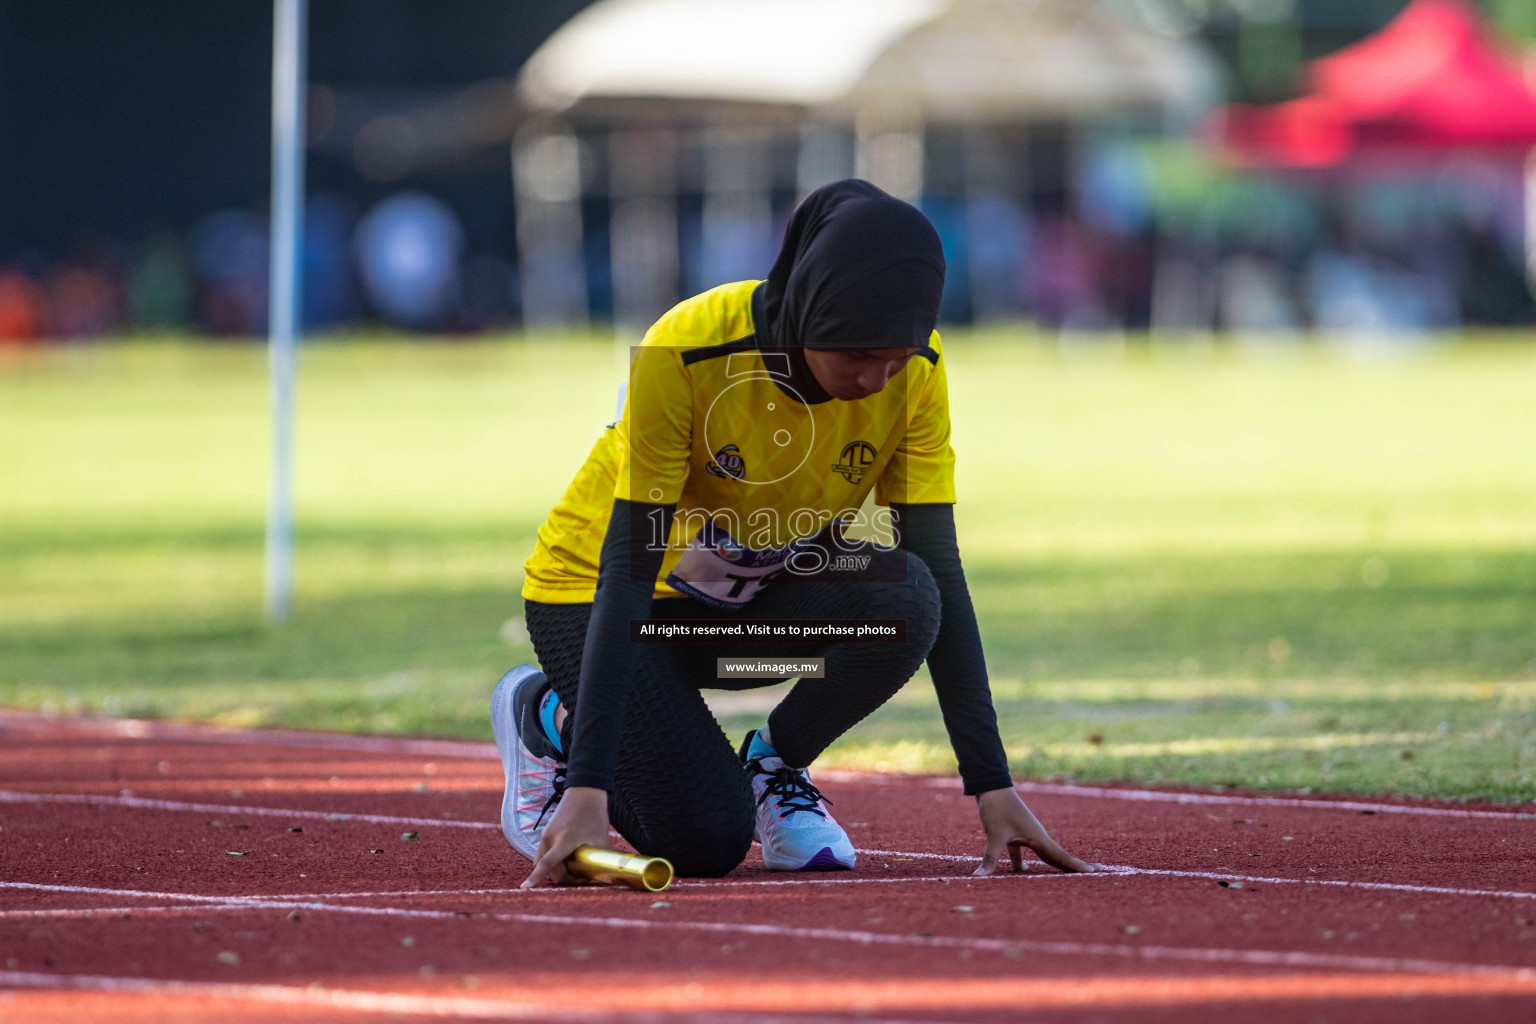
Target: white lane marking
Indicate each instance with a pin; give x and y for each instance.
(248, 902)
(119, 912)
(910, 853)
(341, 999)
(1174, 797)
(1254, 957)
(1118, 871)
(1128, 869)
(390, 894)
(462, 1007)
(1142, 795)
(149, 729)
(8, 796)
(1163, 796)
(232, 810)
(1134, 795)
(210, 904)
(1425, 890)
(271, 812)
(11, 797)
(92, 890)
(577, 890)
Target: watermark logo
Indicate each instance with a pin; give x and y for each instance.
(728, 462)
(854, 460)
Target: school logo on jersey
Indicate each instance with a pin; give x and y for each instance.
(728, 549)
(855, 458)
(728, 462)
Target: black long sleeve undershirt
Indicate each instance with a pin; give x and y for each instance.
(626, 583)
(627, 571)
(955, 660)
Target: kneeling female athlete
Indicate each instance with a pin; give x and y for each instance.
(753, 410)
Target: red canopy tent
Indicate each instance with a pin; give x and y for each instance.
(1432, 80)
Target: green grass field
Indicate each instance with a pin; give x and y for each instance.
(1282, 568)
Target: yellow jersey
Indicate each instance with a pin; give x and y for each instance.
(709, 423)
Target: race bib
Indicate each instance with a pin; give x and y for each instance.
(721, 571)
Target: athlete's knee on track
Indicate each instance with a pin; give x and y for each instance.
(706, 849)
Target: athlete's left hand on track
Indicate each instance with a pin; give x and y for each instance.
(1011, 826)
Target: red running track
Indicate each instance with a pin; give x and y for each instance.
(154, 872)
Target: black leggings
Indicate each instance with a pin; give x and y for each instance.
(679, 791)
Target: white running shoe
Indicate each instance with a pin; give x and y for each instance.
(534, 769)
(793, 825)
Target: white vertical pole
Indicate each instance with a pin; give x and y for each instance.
(290, 18)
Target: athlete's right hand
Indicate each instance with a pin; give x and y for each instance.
(580, 819)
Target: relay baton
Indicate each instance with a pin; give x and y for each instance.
(614, 867)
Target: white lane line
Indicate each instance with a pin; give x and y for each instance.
(119, 912)
(1173, 797)
(1115, 870)
(389, 894)
(336, 999)
(271, 812)
(284, 900)
(1424, 890)
(1128, 869)
(211, 902)
(11, 797)
(1254, 957)
(1134, 795)
(233, 810)
(909, 854)
(1112, 870)
(149, 729)
(460, 1007)
(577, 890)
(1163, 796)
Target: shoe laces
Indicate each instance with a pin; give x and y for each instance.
(794, 789)
(557, 784)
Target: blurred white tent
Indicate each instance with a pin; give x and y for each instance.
(876, 73)
(960, 60)
(804, 52)
(997, 60)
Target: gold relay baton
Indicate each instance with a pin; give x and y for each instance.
(614, 867)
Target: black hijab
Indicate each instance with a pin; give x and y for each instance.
(859, 268)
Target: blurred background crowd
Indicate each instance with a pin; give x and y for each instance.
(1241, 166)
